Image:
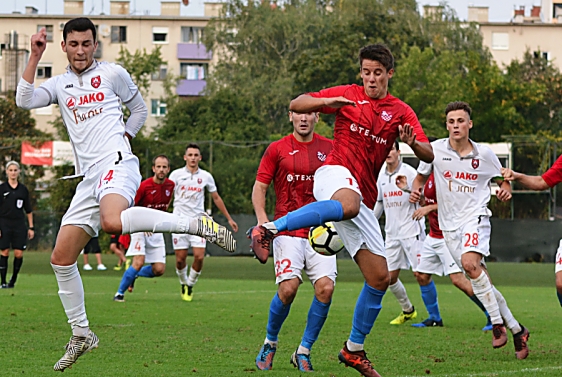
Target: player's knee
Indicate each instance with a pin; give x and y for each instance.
(5, 253)
(423, 279)
(324, 290)
(111, 226)
(286, 294)
(158, 270)
(471, 268)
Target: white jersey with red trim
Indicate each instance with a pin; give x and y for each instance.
(189, 193)
(91, 108)
(462, 183)
(398, 210)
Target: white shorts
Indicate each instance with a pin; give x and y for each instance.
(403, 254)
(558, 260)
(436, 259)
(117, 173)
(473, 236)
(152, 247)
(292, 255)
(185, 241)
(361, 232)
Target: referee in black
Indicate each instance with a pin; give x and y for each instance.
(14, 199)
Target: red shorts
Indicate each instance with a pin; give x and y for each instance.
(125, 240)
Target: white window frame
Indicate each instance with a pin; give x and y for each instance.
(156, 104)
(159, 31)
(42, 67)
(500, 41)
(49, 32)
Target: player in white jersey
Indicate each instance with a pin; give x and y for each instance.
(189, 200)
(404, 235)
(463, 171)
(90, 95)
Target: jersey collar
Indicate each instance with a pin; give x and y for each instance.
(475, 152)
(91, 67)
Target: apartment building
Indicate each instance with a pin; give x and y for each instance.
(179, 38)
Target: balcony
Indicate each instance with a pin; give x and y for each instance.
(190, 87)
(194, 51)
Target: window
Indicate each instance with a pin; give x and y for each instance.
(191, 34)
(500, 41)
(158, 108)
(193, 71)
(49, 29)
(160, 35)
(542, 54)
(161, 74)
(118, 34)
(44, 72)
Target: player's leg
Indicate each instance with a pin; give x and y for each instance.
(18, 261)
(558, 273)
(70, 241)
(198, 246)
(429, 297)
(86, 266)
(115, 248)
(289, 263)
(19, 244)
(181, 245)
(322, 272)
(101, 266)
(461, 282)
(137, 250)
(4, 256)
(155, 251)
(397, 260)
(337, 195)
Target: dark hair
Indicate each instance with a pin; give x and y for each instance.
(458, 105)
(379, 53)
(431, 139)
(193, 145)
(396, 144)
(160, 156)
(79, 24)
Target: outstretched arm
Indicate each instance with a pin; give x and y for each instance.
(306, 103)
(26, 96)
(220, 205)
(258, 200)
(533, 182)
(417, 187)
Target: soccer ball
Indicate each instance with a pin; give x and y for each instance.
(325, 240)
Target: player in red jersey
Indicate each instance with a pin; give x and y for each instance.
(368, 120)
(155, 192)
(290, 164)
(549, 179)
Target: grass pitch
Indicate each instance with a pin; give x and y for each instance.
(219, 333)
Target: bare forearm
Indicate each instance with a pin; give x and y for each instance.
(258, 201)
(305, 104)
(533, 182)
(220, 205)
(423, 151)
(30, 219)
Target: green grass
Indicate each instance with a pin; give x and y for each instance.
(154, 333)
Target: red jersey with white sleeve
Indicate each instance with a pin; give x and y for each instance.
(291, 164)
(364, 134)
(430, 195)
(155, 195)
(553, 176)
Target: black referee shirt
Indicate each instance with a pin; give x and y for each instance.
(12, 201)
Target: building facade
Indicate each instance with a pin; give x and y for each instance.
(178, 37)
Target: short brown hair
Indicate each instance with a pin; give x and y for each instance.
(377, 52)
(160, 156)
(458, 105)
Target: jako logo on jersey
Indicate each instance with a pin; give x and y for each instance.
(475, 163)
(69, 86)
(71, 103)
(199, 180)
(393, 193)
(299, 177)
(92, 97)
(363, 102)
(321, 156)
(466, 176)
(293, 152)
(447, 174)
(367, 133)
(198, 189)
(386, 116)
(96, 81)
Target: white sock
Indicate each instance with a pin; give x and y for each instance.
(270, 342)
(182, 275)
(354, 347)
(142, 219)
(303, 350)
(508, 318)
(193, 277)
(400, 293)
(71, 293)
(483, 290)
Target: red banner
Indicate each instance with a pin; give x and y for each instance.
(38, 154)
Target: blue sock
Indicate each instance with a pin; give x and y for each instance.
(128, 277)
(312, 214)
(146, 272)
(429, 297)
(317, 315)
(367, 309)
(559, 297)
(277, 314)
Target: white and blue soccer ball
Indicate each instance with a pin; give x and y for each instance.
(325, 240)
